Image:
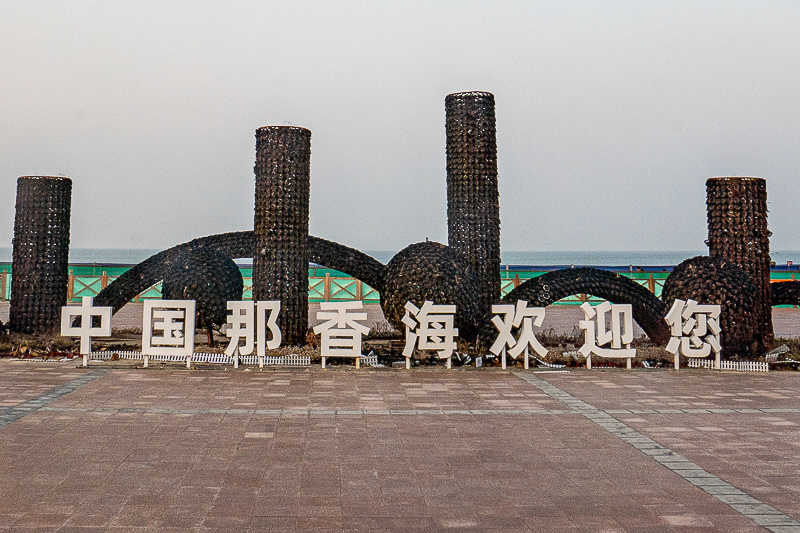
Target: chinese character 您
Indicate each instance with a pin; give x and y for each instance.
(524, 318)
(430, 328)
(85, 313)
(175, 320)
(242, 326)
(597, 334)
(695, 330)
(341, 333)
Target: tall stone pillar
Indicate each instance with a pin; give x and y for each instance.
(473, 200)
(280, 262)
(40, 253)
(737, 231)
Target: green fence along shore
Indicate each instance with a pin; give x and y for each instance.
(325, 284)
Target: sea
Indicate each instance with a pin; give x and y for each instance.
(126, 256)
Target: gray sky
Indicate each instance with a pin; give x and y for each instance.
(610, 115)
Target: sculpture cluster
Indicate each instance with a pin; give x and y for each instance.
(737, 231)
(208, 276)
(40, 253)
(466, 273)
(280, 261)
(435, 272)
(714, 280)
(473, 199)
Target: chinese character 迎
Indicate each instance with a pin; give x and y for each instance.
(85, 330)
(430, 327)
(695, 330)
(175, 320)
(597, 334)
(242, 325)
(524, 318)
(341, 333)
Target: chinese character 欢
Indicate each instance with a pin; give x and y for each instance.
(341, 333)
(242, 325)
(85, 313)
(175, 320)
(695, 330)
(430, 327)
(520, 317)
(597, 334)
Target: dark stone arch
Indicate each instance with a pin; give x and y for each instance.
(648, 311)
(785, 293)
(718, 281)
(236, 245)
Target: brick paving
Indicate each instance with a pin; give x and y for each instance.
(396, 450)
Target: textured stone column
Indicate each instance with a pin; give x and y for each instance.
(40, 253)
(737, 231)
(280, 262)
(473, 200)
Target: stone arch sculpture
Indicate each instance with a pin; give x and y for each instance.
(714, 280)
(785, 293)
(648, 310)
(240, 244)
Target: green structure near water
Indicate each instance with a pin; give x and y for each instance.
(326, 284)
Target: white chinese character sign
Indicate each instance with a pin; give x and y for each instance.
(695, 330)
(83, 316)
(598, 334)
(431, 327)
(243, 325)
(174, 319)
(522, 318)
(341, 332)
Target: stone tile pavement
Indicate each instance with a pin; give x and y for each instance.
(396, 450)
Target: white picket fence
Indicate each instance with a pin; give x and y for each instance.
(739, 366)
(218, 358)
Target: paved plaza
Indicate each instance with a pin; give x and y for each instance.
(396, 450)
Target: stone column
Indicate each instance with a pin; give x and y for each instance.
(737, 231)
(40, 253)
(473, 200)
(280, 262)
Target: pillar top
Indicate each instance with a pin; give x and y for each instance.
(45, 178)
(265, 129)
(734, 178)
(470, 94)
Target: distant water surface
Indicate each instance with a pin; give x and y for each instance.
(124, 256)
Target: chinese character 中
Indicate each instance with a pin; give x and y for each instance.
(341, 333)
(597, 334)
(175, 320)
(430, 327)
(85, 313)
(519, 317)
(695, 330)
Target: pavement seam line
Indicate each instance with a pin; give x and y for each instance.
(16, 412)
(745, 504)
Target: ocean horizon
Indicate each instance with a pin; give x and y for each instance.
(127, 256)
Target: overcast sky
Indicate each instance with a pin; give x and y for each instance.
(610, 115)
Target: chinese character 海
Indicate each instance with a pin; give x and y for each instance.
(695, 330)
(524, 318)
(597, 334)
(430, 327)
(85, 330)
(175, 320)
(341, 333)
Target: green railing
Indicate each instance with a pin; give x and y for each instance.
(324, 284)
